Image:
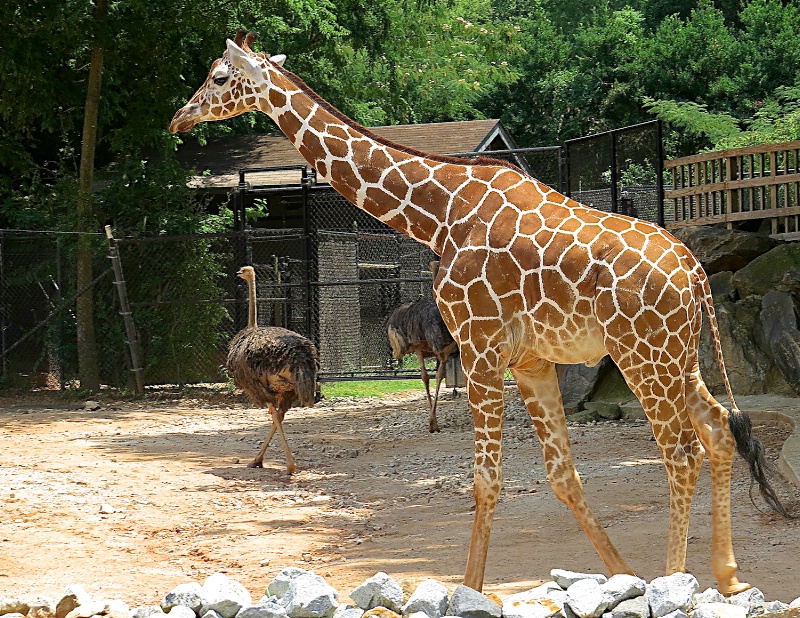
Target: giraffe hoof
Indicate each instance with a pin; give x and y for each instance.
(434, 429)
(255, 464)
(735, 588)
(291, 469)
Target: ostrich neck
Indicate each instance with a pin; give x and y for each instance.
(402, 189)
(252, 317)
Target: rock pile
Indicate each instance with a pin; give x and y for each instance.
(297, 593)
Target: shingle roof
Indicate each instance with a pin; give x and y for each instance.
(218, 163)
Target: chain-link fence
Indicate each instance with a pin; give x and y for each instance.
(326, 270)
(618, 171)
(186, 302)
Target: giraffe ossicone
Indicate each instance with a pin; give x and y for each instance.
(528, 278)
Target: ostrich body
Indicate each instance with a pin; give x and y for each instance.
(417, 328)
(275, 367)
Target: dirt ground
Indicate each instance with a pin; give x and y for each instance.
(374, 492)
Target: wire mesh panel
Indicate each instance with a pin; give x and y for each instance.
(362, 269)
(618, 171)
(182, 291)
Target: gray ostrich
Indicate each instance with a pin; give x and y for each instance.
(417, 328)
(276, 367)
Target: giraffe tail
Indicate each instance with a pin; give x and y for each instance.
(749, 447)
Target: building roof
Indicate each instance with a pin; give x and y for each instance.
(217, 164)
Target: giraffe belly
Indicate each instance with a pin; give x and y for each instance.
(578, 340)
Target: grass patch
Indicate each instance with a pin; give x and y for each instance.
(369, 388)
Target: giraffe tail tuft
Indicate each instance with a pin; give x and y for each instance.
(749, 448)
(752, 451)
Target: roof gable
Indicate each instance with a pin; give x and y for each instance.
(219, 161)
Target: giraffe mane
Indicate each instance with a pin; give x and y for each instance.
(481, 161)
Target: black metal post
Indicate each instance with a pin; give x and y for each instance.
(660, 172)
(306, 180)
(614, 173)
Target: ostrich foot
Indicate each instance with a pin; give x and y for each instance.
(256, 464)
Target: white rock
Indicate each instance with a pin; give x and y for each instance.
(147, 612)
(13, 606)
(774, 606)
(566, 578)
(430, 597)
(223, 595)
(348, 611)
(74, 596)
(418, 615)
(189, 595)
(42, 608)
(118, 609)
(280, 584)
(211, 614)
(719, 610)
(795, 603)
(670, 593)
(309, 596)
(587, 599)
(107, 509)
(709, 595)
(637, 607)
(531, 607)
(270, 608)
(13, 615)
(380, 590)
(181, 611)
(87, 610)
(622, 587)
(677, 613)
(752, 600)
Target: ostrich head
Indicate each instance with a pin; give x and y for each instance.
(247, 273)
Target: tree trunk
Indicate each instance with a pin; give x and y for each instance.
(87, 348)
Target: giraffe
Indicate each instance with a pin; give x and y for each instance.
(528, 278)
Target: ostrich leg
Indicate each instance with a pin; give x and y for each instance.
(258, 462)
(277, 420)
(433, 426)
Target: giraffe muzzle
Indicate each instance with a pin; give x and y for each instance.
(185, 118)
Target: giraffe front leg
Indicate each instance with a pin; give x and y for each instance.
(538, 384)
(485, 392)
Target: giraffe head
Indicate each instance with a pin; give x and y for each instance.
(235, 85)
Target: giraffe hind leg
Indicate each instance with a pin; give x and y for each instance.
(710, 421)
(661, 391)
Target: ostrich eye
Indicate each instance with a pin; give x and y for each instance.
(219, 81)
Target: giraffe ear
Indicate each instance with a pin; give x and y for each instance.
(279, 59)
(243, 61)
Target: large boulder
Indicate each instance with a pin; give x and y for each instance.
(781, 335)
(745, 363)
(578, 383)
(720, 249)
(767, 272)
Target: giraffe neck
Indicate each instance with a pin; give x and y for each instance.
(383, 179)
(252, 316)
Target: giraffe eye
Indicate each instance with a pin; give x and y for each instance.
(220, 81)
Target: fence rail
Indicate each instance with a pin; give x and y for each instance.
(758, 184)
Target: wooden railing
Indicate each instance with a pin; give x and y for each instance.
(737, 185)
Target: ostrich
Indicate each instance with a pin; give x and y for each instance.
(276, 367)
(417, 328)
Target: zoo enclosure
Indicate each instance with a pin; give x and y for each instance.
(756, 185)
(333, 275)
